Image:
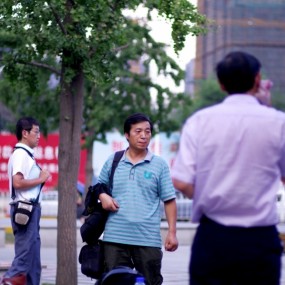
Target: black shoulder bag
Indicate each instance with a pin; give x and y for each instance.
(91, 255)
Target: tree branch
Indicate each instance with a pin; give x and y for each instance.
(42, 65)
(92, 51)
(57, 19)
(115, 50)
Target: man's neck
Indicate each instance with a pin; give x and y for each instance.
(136, 155)
(24, 142)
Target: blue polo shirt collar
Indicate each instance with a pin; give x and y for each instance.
(148, 156)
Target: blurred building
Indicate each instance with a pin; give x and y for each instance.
(189, 78)
(255, 26)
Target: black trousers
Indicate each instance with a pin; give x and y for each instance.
(146, 260)
(224, 255)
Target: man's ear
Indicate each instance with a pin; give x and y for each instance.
(24, 133)
(222, 87)
(127, 136)
(257, 81)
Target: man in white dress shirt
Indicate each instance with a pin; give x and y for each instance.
(230, 161)
(25, 182)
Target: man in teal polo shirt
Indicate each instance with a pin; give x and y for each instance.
(141, 180)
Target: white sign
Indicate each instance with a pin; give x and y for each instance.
(161, 145)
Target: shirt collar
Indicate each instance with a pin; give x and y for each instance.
(26, 147)
(240, 99)
(148, 156)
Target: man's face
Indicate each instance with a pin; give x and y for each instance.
(32, 137)
(139, 136)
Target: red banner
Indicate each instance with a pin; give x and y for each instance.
(46, 155)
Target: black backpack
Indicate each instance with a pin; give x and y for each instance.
(91, 255)
(94, 225)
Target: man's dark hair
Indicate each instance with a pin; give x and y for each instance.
(134, 119)
(237, 72)
(25, 123)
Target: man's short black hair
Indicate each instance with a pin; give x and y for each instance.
(134, 119)
(25, 123)
(237, 72)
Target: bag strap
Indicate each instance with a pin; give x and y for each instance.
(117, 157)
(13, 196)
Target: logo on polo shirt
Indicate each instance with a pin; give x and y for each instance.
(147, 175)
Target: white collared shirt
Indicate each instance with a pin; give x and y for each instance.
(21, 162)
(234, 154)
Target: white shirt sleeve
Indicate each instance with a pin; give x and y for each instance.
(184, 167)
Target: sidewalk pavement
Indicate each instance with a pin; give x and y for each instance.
(174, 266)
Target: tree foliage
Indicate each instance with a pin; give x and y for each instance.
(37, 99)
(278, 100)
(57, 29)
(131, 88)
(208, 93)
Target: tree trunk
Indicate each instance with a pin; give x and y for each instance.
(71, 106)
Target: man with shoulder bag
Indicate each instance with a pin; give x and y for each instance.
(26, 179)
(141, 181)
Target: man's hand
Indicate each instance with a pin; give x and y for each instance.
(108, 203)
(171, 242)
(185, 188)
(44, 175)
(263, 94)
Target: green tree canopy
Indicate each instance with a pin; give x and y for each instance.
(58, 29)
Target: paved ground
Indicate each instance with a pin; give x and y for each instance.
(174, 266)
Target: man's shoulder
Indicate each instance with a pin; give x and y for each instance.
(20, 153)
(111, 157)
(203, 113)
(209, 109)
(278, 113)
(158, 161)
(272, 113)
